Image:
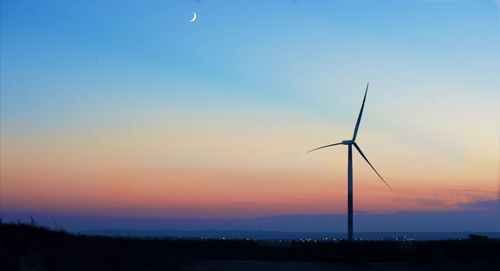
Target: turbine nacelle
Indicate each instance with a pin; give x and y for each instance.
(348, 142)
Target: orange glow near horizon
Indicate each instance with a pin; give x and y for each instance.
(160, 173)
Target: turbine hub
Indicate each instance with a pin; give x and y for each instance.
(348, 142)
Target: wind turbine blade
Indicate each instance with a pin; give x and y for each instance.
(360, 114)
(325, 147)
(362, 154)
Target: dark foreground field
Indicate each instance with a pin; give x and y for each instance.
(27, 247)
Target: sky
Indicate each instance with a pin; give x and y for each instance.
(127, 109)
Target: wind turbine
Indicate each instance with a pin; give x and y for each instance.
(350, 143)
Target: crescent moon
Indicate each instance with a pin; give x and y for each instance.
(194, 17)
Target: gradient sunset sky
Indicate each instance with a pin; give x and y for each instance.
(125, 108)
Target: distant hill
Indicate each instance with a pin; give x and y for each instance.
(279, 235)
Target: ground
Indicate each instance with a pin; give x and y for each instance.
(30, 247)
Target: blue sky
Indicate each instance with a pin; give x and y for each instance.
(265, 51)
